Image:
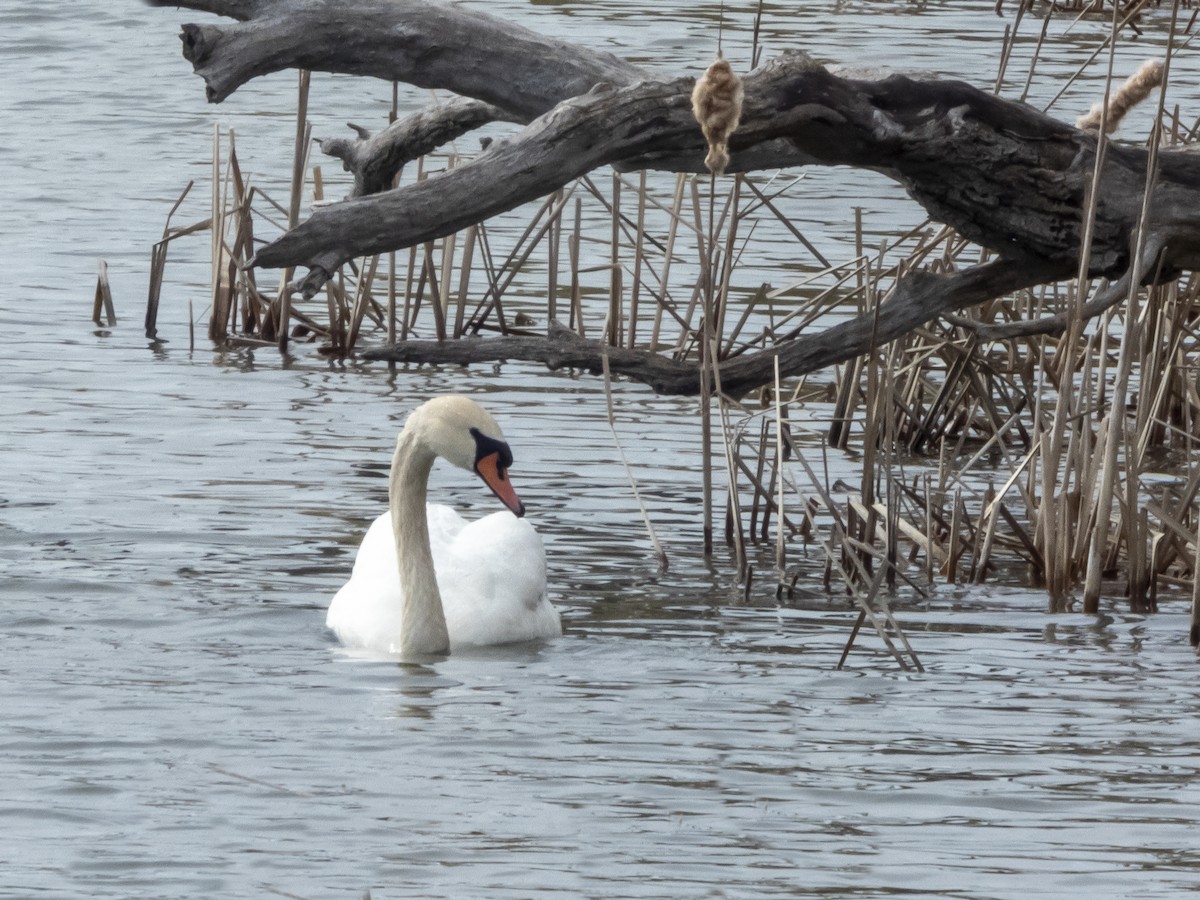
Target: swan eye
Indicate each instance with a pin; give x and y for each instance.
(486, 446)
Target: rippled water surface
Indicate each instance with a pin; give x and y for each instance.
(177, 722)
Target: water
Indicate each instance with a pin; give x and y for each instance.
(177, 722)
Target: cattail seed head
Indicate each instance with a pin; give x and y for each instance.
(1135, 89)
(717, 106)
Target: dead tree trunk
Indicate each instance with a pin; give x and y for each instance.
(1002, 174)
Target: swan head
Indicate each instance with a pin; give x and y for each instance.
(463, 433)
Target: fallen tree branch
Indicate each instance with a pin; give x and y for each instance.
(917, 299)
(418, 42)
(1000, 173)
(1056, 325)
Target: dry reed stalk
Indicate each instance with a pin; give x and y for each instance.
(893, 464)
(158, 266)
(362, 301)
(676, 216)
(706, 365)
(639, 257)
(449, 246)
(615, 305)
(223, 317)
(812, 309)
(706, 448)
(407, 313)
(1006, 47)
(491, 301)
(627, 225)
(784, 220)
(429, 271)
(299, 167)
(1037, 52)
(780, 551)
(158, 263)
(704, 290)
(336, 327)
(241, 249)
(217, 217)
(659, 553)
(464, 281)
(950, 569)
(554, 246)
(737, 537)
(872, 436)
(755, 31)
(575, 319)
(393, 114)
(103, 302)
(756, 480)
(1058, 578)
(725, 257)
(762, 340)
(865, 600)
(530, 238)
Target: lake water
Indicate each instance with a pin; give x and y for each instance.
(177, 722)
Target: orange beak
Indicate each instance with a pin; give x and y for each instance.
(492, 472)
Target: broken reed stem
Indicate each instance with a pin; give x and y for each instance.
(103, 302)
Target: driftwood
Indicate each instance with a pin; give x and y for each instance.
(1005, 176)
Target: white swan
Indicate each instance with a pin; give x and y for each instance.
(425, 580)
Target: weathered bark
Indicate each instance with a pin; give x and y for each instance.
(1001, 173)
(515, 73)
(375, 159)
(420, 42)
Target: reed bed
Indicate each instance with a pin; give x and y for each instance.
(1064, 461)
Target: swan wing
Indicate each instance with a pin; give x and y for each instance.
(366, 612)
(492, 577)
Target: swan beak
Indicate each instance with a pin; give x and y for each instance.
(492, 472)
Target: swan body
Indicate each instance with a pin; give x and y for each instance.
(425, 580)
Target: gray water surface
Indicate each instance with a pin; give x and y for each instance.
(177, 722)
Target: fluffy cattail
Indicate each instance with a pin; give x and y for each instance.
(1136, 89)
(717, 106)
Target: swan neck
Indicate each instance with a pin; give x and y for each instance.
(424, 621)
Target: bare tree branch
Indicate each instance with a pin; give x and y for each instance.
(375, 160)
(917, 299)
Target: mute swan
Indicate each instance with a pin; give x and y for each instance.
(424, 580)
